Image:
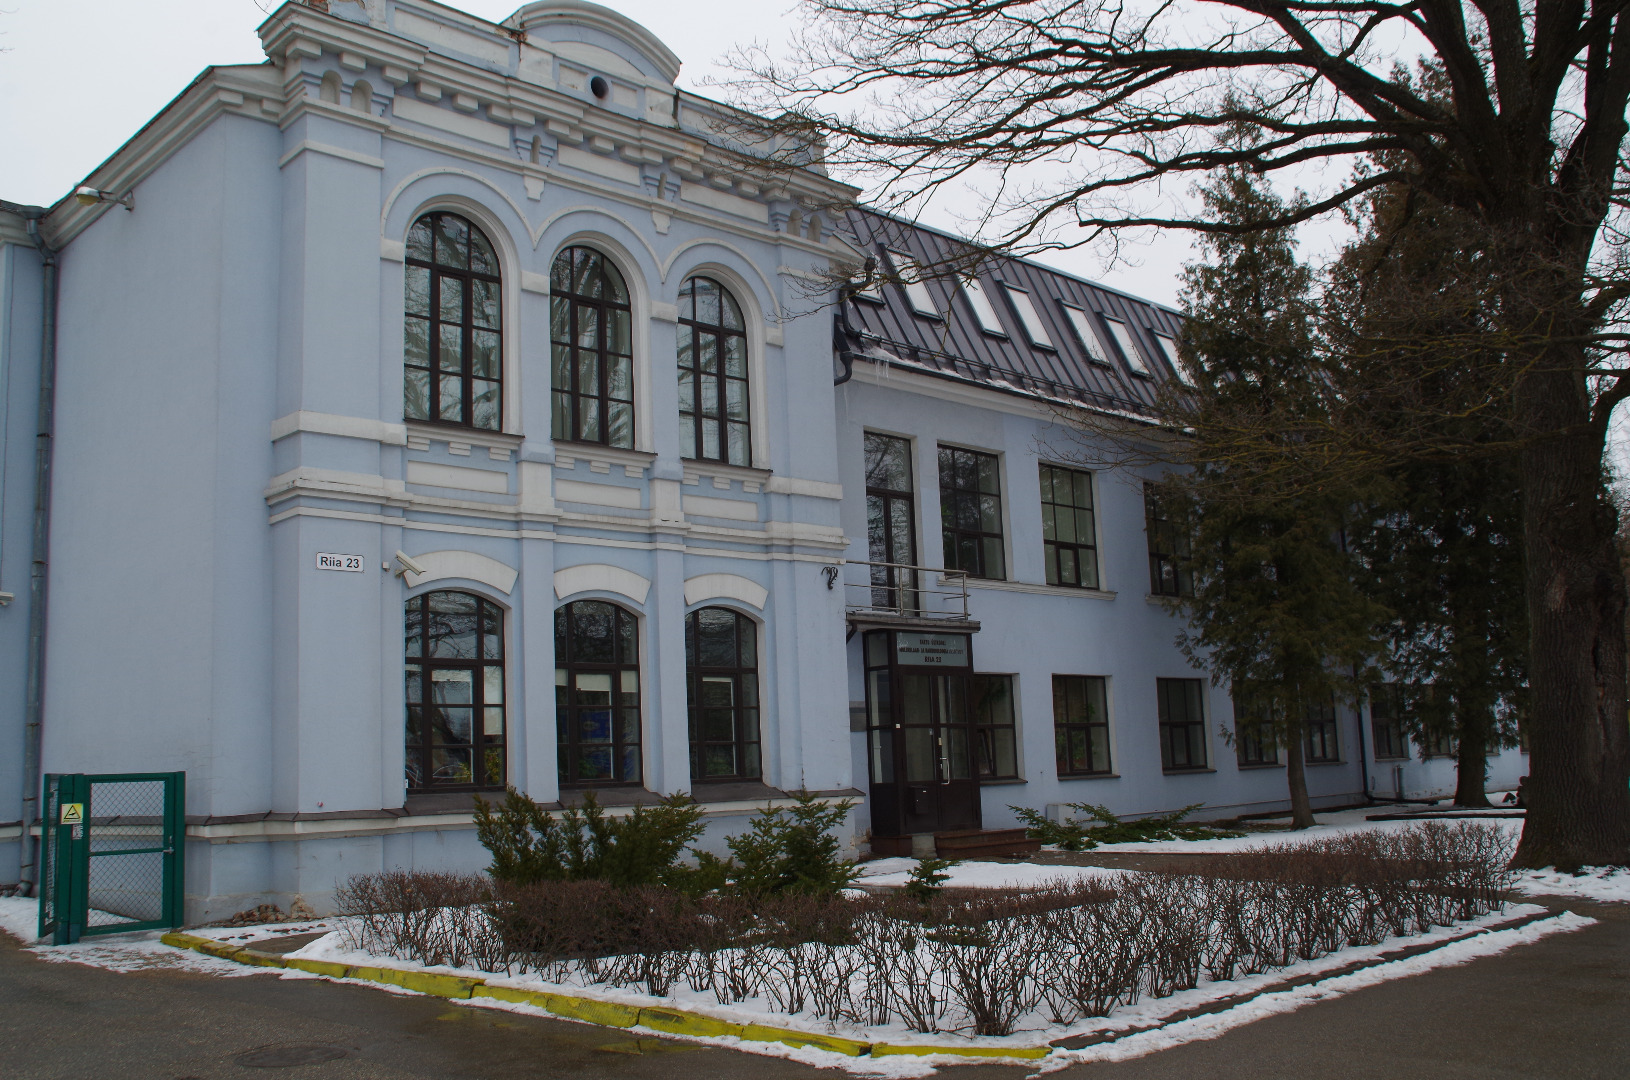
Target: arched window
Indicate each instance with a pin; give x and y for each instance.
(454, 352)
(721, 664)
(591, 328)
(597, 693)
(455, 692)
(712, 374)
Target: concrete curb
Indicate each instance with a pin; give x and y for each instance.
(592, 1010)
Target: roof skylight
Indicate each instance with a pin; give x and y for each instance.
(983, 309)
(1168, 348)
(1082, 322)
(1129, 347)
(1028, 316)
(910, 276)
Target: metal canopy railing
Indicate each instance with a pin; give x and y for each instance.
(901, 591)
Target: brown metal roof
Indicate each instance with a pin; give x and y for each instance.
(886, 327)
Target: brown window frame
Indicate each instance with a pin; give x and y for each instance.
(487, 765)
(992, 733)
(1167, 543)
(1068, 733)
(1255, 746)
(623, 707)
(955, 498)
(1321, 735)
(745, 708)
(425, 238)
(1083, 553)
(694, 378)
(1191, 727)
(891, 587)
(1387, 718)
(568, 309)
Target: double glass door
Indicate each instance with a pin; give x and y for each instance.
(919, 734)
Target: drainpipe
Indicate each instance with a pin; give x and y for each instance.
(33, 726)
(843, 334)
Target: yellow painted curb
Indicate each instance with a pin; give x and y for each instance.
(425, 982)
(678, 1022)
(891, 1050)
(834, 1043)
(318, 967)
(590, 1010)
(609, 1013)
(539, 998)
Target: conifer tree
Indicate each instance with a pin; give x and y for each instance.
(1276, 612)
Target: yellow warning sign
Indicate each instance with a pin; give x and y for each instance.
(73, 813)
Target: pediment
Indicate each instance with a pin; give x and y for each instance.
(590, 33)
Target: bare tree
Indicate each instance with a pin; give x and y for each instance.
(1526, 139)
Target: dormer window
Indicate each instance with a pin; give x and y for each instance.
(1029, 317)
(910, 277)
(983, 309)
(1129, 347)
(1081, 322)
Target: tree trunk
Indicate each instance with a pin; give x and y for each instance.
(1471, 766)
(1578, 789)
(1301, 811)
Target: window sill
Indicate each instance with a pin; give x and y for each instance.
(601, 457)
(421, 433)
(696, 468)
(449, 802)
(1187, 772)
(1260, 765)
(997, 781)
(609, 795)
(1090, 776)
(711, 791)
(1317, 764)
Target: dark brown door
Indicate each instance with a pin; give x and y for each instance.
(939, 789)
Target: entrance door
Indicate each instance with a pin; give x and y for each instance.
(919, 733)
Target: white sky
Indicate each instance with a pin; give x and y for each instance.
(79, 77)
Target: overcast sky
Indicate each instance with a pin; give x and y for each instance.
(79, 77)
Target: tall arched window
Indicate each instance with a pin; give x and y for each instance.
(455, 692)
(597, 693)
(591, 328)
(721, 662)
(454, 350)
(712, 374)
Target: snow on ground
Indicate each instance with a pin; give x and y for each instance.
(1610, 883)
(1338, 823)
(983, 875)
(1271, 1004)
(139, 951)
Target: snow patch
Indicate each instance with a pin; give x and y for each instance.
(1608, 883)
(985, 875)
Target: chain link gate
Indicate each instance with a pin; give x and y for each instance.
(111, 857)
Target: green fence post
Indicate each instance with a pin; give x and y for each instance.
(72, 856)
(175, 843)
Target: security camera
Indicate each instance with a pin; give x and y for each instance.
(406, 565)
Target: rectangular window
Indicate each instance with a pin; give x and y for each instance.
(911, 279)
(1320, 744)
(1129, 347)
(1439, 746)
(971, 512)
(1168, 545)
(1081, 725)
(983, 309)
(1069, 534)
(1029, 317)
(891, 523)
(1167, 345)
(994, 729)
(1386, 733)
(1254, 742)
(1182, 724)
(1081, 322)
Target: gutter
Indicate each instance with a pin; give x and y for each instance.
(34, 723)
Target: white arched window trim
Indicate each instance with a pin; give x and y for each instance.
(509, 263)
(752, 313)
(709, 589)
(635, 278)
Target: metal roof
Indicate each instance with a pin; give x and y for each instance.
(886, 326)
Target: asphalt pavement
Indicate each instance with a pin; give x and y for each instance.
(1558, 1008)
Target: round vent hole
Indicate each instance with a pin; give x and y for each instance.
(599, 87)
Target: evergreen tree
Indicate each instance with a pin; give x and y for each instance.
(1442, 539)
(1276, 610)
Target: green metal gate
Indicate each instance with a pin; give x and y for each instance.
(111, 852)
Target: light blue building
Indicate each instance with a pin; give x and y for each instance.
(435, 357)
